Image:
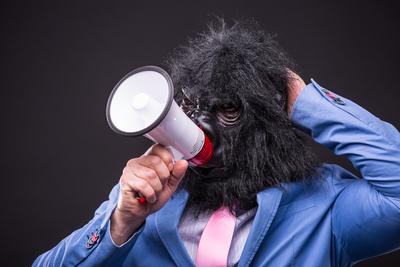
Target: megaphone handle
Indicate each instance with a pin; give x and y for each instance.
(176, 156)
(141, 199)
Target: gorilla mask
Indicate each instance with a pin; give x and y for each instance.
(233, 82)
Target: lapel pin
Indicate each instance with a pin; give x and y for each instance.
(332, 96)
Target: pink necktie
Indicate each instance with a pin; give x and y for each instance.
(216, 239)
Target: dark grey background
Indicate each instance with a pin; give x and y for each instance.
(60, 60)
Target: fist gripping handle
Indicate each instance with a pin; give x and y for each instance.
(201, 158)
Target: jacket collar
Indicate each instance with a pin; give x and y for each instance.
(167, 220)
(268, 203)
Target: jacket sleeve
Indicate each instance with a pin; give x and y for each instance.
(90, 245)
(366, 212)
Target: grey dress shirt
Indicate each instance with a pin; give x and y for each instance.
(190, 230)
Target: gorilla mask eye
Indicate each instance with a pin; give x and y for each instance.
(228, 114)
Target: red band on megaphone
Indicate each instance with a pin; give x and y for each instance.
(205, 153)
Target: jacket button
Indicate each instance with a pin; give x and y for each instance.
(92, 239)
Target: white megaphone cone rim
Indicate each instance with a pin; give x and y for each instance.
(142, 104)
(165, 108)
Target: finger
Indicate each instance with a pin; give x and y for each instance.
(163, 153)
(177, 174)
(132, 186)
(157, 164)
(145, 173)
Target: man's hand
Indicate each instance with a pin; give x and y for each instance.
(295, 87)
(155, 177)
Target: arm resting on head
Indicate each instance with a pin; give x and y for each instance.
(366, 213)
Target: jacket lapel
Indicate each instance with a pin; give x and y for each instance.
(268, 203)
(167, 220)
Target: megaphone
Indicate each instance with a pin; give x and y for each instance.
(142, 104)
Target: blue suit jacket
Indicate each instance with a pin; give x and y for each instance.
(332, 221)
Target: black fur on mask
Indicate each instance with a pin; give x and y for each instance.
(242, 67)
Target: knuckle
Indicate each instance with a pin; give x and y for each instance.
(158, 150)
(131, 162)
(164, 154)
(155, 160)
(165, 177)
(168, 157)
(165, 174)
(126, 170)
(126, 175)
(141, 185)
(150, 174)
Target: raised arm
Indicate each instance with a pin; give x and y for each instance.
(366, 213)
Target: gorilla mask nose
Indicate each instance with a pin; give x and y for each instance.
(209, 124)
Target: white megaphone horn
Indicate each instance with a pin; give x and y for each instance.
(142, 104)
